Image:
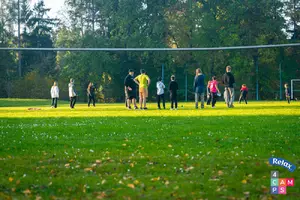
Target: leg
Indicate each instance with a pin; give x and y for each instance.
(145, 97)
(94, 101)
(52, 102)
(134, 102)
(202, 99)
(241, 97)
(196, 100)
(172, 102)
(141, 99)
(226, 96)
(71, 99)
(144, 101)
(208, 99)
(128, 103)
(176, 103)
(89, 102)
(231, 96)
(214, 99)
(158, 101)
(164, 102)
(74, 101)
(55, 103)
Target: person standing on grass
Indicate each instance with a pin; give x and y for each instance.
(143, 81)
(287, 93)
(214, 90)
(208, 93)
(173, 87)
(72, 93)
(54, 94)
(199, 88)
(160, 93)
(130, 89)
(91, 94)
(244, 93)
(228, 81)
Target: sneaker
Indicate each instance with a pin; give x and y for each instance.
(135, 108)
(145, 108)
(141, 108)
(129, 108)
(213, 107)
(232, 106)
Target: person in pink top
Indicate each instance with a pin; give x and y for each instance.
(214, 90)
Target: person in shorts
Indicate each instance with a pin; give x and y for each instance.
(143, 81)
(130, 89)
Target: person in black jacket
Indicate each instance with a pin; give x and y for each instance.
(130, 90)
(91, 94)
(228, 81)
(173, 87)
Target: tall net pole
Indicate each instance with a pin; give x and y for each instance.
(19, 41)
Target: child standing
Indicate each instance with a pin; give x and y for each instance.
(160, 92)
(208, 93)
(173, 87)
(214, 90)
(72, 93)
(244, 92)
(287, 93)
(54, 95)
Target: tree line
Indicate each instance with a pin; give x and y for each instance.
(147, 24)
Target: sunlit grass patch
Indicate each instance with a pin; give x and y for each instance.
(111, 152)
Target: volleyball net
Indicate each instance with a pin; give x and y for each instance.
(263, 68)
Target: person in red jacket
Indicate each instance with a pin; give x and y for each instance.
(244, 93)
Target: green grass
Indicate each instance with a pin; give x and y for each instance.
(186, 154)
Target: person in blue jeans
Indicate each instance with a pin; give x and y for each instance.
(199, 88)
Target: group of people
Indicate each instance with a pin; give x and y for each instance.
(142, 82)
(140, 85)
(72, 94)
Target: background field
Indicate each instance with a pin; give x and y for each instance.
(110, 152)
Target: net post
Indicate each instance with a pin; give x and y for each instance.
(292, 91)
(280, 82)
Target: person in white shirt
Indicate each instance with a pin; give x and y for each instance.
(72, 93)
(54, 94)
(160, 92)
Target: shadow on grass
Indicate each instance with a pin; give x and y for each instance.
(27, 102)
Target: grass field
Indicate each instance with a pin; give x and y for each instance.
(108, 152)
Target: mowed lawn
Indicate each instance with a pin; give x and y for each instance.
(109, 152)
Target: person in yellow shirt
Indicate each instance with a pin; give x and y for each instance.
(143, 81)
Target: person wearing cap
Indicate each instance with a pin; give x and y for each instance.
(130, 89)
(143, 81)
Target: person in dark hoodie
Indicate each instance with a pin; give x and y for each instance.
(199, 88)
(228, 81)
(173, 87)
(91, 94)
